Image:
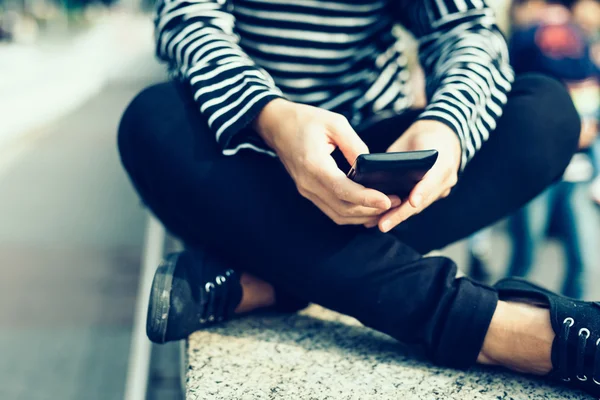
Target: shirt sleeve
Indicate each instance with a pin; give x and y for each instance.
(466, 63)
(198, 40)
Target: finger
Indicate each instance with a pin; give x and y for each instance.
(396, 216)
(336, 216)
(429, 188)
(343, 188)
(350, 210)
(432, 187)
(347, 209)
(324, 207)
(395, 200)
(403, 143)
(346, 138)
(395, 203)
(371, 224)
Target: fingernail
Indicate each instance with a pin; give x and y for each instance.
(396, 202)
(417, 200)
(386, 226)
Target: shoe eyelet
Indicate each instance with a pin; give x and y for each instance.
(220, 280)
(202, 321)
(586, 331)
(209, 286)
(229, 272)
(566, 379)
(570, 320)
(211, 318)
(582, 378)
(596, 382)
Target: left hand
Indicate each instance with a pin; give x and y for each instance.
(439, 180)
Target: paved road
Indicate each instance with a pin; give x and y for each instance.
(71, 233)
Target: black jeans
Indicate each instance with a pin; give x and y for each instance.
(246, 209)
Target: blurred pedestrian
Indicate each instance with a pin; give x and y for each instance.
(553, 44)
(586, 14)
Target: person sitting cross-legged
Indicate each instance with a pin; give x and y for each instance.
(244, 157)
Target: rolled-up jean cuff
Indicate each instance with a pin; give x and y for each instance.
(467, 323)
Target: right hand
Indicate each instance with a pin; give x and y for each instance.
(304, 138)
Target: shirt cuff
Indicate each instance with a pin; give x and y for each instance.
(239, 135)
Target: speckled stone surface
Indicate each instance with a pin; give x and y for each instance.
(320, 354)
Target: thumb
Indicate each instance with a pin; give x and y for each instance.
(403, 143)
(346, 138)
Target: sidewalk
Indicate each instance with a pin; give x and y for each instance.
(321, 355)
(39, 84)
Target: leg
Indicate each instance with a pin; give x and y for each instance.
(521, 240)
(570, 237)
(530, 149)
(581, 235)
(478, 248)
(527, 228)
(247, 209)
(595, 185)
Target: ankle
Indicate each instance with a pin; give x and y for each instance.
(256, 294)
(519, 338)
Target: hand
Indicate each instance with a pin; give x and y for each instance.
(439, 180)
(304, 138)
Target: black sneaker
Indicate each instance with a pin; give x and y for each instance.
(192, 290)
(576, 324)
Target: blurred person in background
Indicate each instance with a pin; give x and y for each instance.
(17, 25)
(586, 14)
(244, 157)
(551, 43)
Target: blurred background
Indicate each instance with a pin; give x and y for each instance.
(72, 229)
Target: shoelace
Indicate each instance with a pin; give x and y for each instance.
(215, 307)
(582, 342)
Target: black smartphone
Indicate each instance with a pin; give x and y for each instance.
(392, 173)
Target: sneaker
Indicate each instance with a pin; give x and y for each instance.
(192, 290)
(576, 324)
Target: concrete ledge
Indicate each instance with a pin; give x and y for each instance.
(320, 354)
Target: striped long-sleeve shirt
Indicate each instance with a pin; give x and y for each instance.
(343, 56)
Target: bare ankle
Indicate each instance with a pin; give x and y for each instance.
(256, 294)
(520, 338)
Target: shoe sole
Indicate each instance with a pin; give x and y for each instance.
(160, 301)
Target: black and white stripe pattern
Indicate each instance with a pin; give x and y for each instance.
(340, 55)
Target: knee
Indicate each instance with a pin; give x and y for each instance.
(140, 119)
(547, 127)
(550, 122)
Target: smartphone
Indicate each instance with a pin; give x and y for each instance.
(392, 173)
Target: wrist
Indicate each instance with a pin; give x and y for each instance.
(435, 125)
(267, 121)
(446, 135)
